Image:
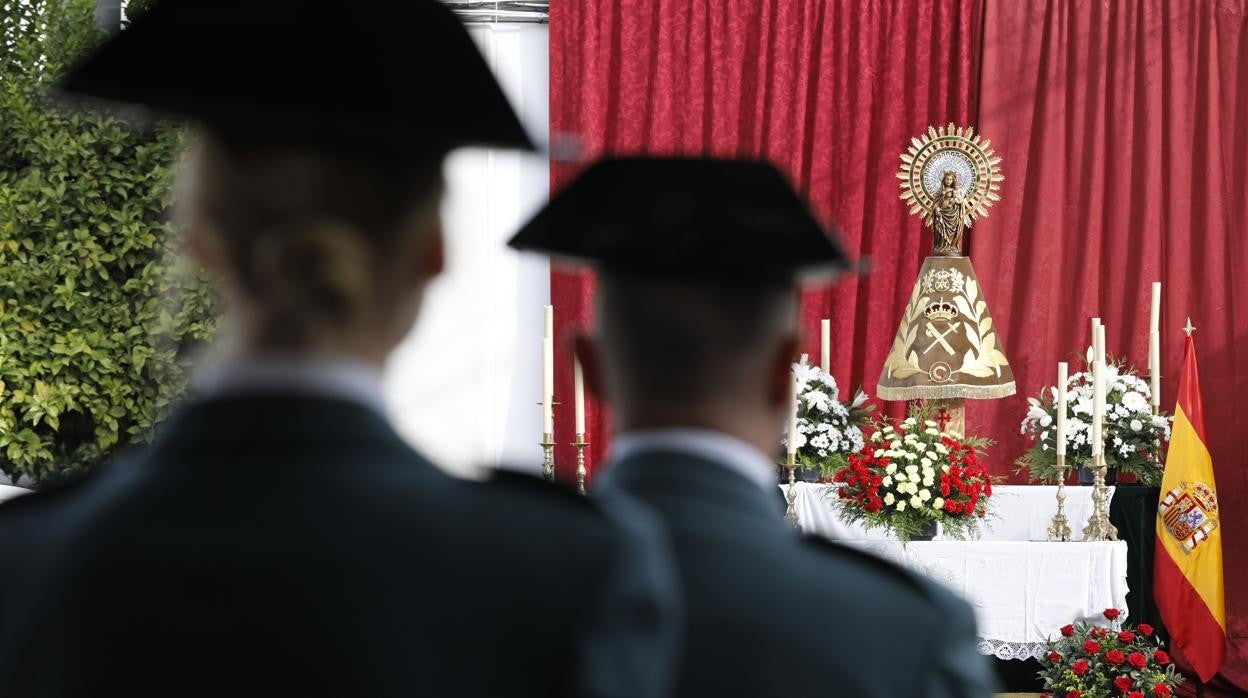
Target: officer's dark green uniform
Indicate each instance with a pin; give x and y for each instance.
(275, 543)
(769, 612)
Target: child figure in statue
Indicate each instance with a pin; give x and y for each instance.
(949, 216)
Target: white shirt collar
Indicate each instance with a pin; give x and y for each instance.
(341, 378)
(715, 446)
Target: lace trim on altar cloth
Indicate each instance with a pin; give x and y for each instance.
(1011, 650)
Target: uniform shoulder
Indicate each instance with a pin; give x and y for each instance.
(926, 590)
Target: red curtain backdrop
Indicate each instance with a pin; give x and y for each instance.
(1124, 132)
(1123, 128)
(829, 91)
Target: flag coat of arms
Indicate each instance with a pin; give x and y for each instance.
(1188, 568)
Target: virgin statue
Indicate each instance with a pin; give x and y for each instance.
(949, 217)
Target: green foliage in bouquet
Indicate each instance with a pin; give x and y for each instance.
(1091, 661)
(1133, 435)
(94, 329)
(912, 475)
(828, 429)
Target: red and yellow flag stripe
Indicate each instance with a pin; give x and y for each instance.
(1188, 568)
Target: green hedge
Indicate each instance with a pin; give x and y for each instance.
(95, 326)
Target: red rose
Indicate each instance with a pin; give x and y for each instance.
(1074, 693)
(1162, 690)
(1138, 660)
(1055, 657)
(1161, 657)
(1114, 657)
(1146, 629)
(1126, 637)
(1112, 613)
(1123, 683)
(1093, 647)
(1080, 668)
(1068, 630)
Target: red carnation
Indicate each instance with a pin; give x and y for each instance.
(1068, 630)
(1123, 683)
(1161, 657)
(1074, 693)
(1135, 694)
(1094, 647)
(1112, 613)
(1114, 657)
(1126, 637)
(1080, 668)
(1161, 689)
(1146, 629)
(1055, 657)
(1138, 660)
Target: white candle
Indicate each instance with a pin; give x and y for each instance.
(791, 441)
(1096, 322)
(1100, 343)
(1098, 406)
(825, 345)
(549, 332)
(1154, 362)
(1154, 317)
(579, 386)
(1060, 437)
(548, 385)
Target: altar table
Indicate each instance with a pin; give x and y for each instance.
(1022, 588)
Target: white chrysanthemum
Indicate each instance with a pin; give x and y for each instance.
(1135, 402)
(1082, 406)
(889, 499)
(804, 372)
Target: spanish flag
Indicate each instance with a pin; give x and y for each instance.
(1187, 573)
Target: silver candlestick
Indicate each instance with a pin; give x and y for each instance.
(1059, 530)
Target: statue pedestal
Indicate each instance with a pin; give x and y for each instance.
(949, 413)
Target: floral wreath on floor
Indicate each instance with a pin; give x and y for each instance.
(828, 430)
(1091, 661)
(1133, 435)
(913, 475)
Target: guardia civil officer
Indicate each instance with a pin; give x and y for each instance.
(279, 539)
(699, 263)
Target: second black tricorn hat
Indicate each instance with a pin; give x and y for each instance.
(691, 217)
(391, 77)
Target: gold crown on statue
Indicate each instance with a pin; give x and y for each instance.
(941, 310)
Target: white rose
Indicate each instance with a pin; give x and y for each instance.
(912, 487)
(939, 503)
(901, 505)
(889, 499)
(1046, 420)
(925, 495)
(1135, 425)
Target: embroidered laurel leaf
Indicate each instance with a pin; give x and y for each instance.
(914, 359)
(985, 325)
(999, 358)
(965, 308)
(989, 345)
(980, 307)
(972, 336)
(972, 290)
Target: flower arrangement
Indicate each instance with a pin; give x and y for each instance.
(912, 476)
(828, 430)
(1092, 661)
(1133, 435)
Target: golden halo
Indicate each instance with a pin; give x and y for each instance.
(950, 148)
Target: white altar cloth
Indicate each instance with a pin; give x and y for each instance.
(1022, 513)
(1022, 592)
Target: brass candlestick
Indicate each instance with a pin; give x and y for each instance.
(1099, 528)
(548, 457)
(790, 514)
(1059, 530)
(580, 444)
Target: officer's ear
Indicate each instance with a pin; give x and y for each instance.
(780, 373)
(585, 348)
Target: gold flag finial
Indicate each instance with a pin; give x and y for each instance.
(1189, 329)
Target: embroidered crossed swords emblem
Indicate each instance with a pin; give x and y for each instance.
(938, 338)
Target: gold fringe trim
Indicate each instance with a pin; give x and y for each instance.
(946, 392)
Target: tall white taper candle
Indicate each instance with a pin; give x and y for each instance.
(791, 440)
(1060, 437)
(1154, 345)
(1098, 406)
(825, 345)
(548, 386)
(579, 390)
(1100, 343)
